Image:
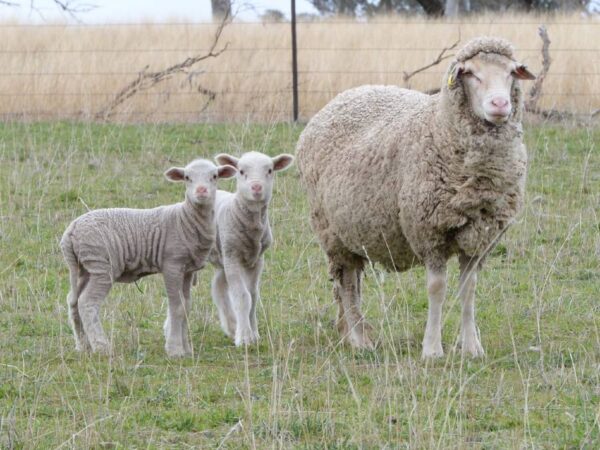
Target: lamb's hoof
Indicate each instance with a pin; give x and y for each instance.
(471, 346)
(432, 351)
(100, 347)
(176, 352)
(245, 338)
(83, 346)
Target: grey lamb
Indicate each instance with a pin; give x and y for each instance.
(403, 178)
(123, 245)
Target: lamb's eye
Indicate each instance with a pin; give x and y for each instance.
(215, 176)
(241, 172)
(186, 178)
(270, 171)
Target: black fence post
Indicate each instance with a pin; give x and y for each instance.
(294, 62)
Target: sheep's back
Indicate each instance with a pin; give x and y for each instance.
(352, 156)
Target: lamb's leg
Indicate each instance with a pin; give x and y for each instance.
(185, 337)
(79, 280)
(469, 339)
(253, 284)
(176, 315)
(436, 289)
(94, 292)
(220, 296)
(347, 282)
(241, 301)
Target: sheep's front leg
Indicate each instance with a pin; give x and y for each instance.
(94, 292)
(253, 276)
(351, 322)
(79, 279)
(469, 339)
(177, 314)
(241, 302)
(185, 333)
(436, 290)
(220, 295)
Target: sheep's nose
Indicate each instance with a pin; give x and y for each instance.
(201, 190)
(256, 187)
(500, 102)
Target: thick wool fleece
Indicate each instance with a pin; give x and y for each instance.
(403, 178)
(131, 243)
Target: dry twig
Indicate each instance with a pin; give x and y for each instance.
(441, 57)
(146, 80)
(536, 89)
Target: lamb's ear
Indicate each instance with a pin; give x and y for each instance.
(226, 171)
(521, 73)
(227, 160)
(282, 162)
(455, 72)
(175, 174)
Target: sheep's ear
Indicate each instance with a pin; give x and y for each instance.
(226, 171)
(455, 73)
(227, 160)
(521, 73)
(175, 174)
(282, 162)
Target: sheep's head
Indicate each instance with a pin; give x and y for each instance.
(488, 75)
(200, 178)
(255, 172)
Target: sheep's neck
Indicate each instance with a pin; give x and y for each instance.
(197, 222)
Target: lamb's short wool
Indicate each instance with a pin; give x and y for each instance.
(243, 235)
(402, 178)
(123, 245)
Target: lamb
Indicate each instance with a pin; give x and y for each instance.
(123, 245)
(243, 235)
(402, 178)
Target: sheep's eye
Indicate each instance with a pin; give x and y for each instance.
(215, 176)
(186, 178)
(270, 171)
(241, 172)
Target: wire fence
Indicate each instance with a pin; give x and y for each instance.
(56, 72)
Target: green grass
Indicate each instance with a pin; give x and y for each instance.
(538, 311)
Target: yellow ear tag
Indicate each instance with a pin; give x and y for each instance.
(450, 80)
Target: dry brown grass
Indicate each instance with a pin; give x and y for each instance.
(54, 72)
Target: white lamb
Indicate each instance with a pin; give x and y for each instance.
(243, 235)
(123, 245)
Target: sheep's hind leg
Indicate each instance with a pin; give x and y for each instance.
(436, 289)
(94, 292)
(351, 322)
(469, 338)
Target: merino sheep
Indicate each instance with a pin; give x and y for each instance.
(403, 178)
(123, 245)
(243, 235)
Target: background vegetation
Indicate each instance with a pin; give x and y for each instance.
(538, 310)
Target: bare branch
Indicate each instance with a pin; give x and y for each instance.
(146, 80)
(536, 89)
(441, 57)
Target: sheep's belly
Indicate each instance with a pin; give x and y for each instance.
(134, 275)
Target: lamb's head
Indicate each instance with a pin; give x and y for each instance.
(200, 178)
(486, 74)
(255, 173)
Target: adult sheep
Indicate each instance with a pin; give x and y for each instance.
(402, 178)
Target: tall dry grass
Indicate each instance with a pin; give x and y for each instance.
(51, 72)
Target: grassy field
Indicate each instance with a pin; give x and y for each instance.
(56, 71)
(538, 310)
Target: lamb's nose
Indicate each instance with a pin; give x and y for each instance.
(256, 187)
(200, 190)
(500, 102)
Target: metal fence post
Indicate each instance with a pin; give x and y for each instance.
(294, 63)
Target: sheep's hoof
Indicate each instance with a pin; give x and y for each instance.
(471, 346)
(432, 351)
(100, 347)
(359, 337)
(245, 338)
(83, 346)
